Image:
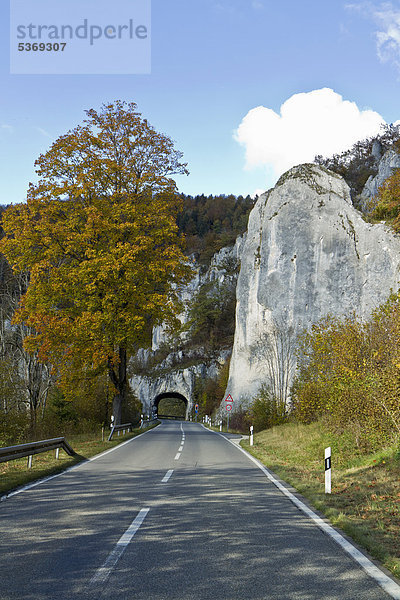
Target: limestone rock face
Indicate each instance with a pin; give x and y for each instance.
(387, 164)
(171, 375)
(177, 381)
(223, 269)
(308, 253)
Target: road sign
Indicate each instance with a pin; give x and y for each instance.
(229, 398)
(196, 408)
(229, 407)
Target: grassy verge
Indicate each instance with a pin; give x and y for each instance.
(365, 499)
(14, 474)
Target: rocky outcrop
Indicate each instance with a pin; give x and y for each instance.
(387, 164)
(308, 253)
(223, 269)
(177, 372)
(174, 381)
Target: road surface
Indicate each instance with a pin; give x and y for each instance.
(178, 513)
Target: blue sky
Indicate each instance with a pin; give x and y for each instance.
(215, 64)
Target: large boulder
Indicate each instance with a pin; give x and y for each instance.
(308, 253)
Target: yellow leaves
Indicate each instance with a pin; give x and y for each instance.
(99, 238)
(350, 369)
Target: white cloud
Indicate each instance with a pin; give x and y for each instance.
(316, 122)
(387, 20)
(388, 37)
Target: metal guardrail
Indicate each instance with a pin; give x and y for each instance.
(144, 422)
(22, 450)
(123, 428)
(172, 417)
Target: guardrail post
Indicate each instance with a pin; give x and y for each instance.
(30, 457)
(57, 453)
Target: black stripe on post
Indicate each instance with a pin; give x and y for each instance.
(328, 463)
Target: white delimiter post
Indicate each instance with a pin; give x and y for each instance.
(328, 470)
(251, 435)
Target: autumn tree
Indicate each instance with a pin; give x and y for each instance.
(98, 236)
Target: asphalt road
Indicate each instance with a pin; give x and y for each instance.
(170, 515)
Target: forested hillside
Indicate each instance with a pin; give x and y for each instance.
(211, 222)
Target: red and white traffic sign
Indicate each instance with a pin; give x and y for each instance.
(229, 407)
(229, 398)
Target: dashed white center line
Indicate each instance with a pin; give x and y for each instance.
(167, 476)
(103, 573)
(181, 448)
(177, 456)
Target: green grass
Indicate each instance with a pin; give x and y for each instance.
(14, 474)
(365, 499)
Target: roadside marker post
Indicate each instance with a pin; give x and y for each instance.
(251, 435)
(328, 470)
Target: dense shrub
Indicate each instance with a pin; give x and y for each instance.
(266, 411)
(349, 372)
(239, 420)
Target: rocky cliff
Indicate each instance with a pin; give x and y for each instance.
(386, 166)
(176, 372)
(308, 253)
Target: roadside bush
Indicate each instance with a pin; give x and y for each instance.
(265, 411)
(239, 420)
(14, 427)
(349, 371)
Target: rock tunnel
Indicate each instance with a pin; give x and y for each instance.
(171, 405)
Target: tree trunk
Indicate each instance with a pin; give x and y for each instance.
(118, 378)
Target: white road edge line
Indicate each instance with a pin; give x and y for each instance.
(69, 469)
(103, 573)
(177, 457)
(390, 586)
(167, 476)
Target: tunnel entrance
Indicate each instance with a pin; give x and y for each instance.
(171, 405)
